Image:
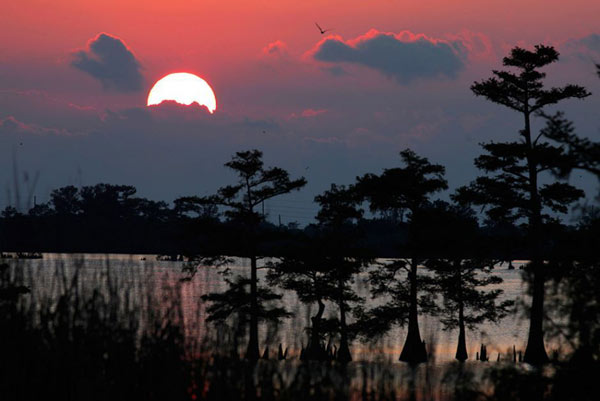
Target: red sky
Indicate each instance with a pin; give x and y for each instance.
(152, 26)
(222, 37)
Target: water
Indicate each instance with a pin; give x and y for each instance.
(142, 279)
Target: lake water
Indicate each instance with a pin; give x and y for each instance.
(136, 276)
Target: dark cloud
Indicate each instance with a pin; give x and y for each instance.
(174, 151)
(404, 56)
(592, 42)
(45, 110)
(10, 126)
(335, 70)
(111, 62)
(584, 48)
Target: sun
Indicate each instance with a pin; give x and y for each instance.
(183, 88)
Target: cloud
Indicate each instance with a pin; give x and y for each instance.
(585, 48)
(479, 46)
(306, 114)
(110, 61)
(313, 112)
(45, 110)
(592, 42)
(404, 56)
(10, 125)
(277, 49)
(335, 70)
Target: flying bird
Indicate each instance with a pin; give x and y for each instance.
(321, 29)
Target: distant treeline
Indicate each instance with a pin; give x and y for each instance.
(109, 218)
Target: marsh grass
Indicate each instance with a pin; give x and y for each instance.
(92, 334)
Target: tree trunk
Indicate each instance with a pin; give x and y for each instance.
(535, 353)
(252, 353)
(314, 350)
(343, 355)
(414, 351)
(461, 349)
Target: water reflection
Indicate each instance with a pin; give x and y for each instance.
(140, 279)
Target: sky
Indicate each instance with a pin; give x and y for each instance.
(75, 76)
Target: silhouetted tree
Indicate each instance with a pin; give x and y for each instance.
(512, 188)
(193, 206)
(404, 191)
(575, 296)
(107, 201)
(236, 303)
(41, 210)
(154, 211)
(466, 302)
(581, 153)
(10, 212)
(307, 274)
(343, 253)
(66, 201)
(323, 268)
(462, 270)
(576, 304)
(255, 185)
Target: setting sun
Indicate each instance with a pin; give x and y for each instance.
(183, 88)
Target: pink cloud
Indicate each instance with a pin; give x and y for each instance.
(313, 113)
(277, 49)
(479, 46)
(586, 47)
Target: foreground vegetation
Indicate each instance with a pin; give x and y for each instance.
(102, 339)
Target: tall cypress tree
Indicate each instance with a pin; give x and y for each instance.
(325, 266)
(255, 185)
(404, 191)
(343, 253)
(462, 271)
(512, 186)
(306, 273)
